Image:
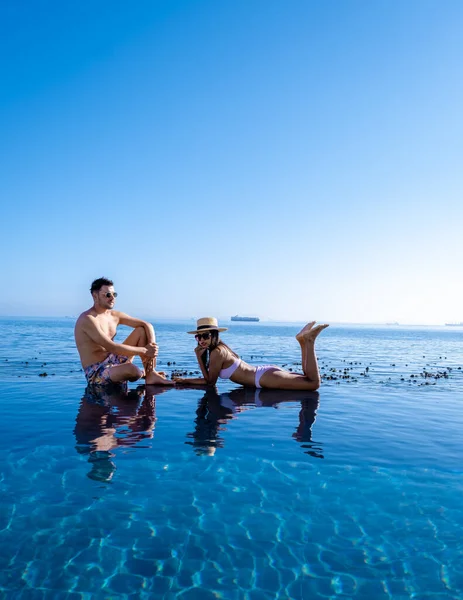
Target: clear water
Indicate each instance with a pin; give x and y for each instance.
(354, 492)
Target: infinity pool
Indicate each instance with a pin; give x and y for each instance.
(351, 492)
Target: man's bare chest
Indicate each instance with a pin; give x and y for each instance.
(108, 326)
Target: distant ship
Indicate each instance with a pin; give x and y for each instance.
(454, 324)
(237, 318)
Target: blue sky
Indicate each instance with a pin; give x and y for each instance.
(293, 160)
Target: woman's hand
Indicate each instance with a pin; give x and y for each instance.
(199, 351)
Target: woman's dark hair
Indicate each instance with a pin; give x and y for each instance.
(99, 283)
(215, 343)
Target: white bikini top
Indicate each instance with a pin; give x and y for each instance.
(228, 372)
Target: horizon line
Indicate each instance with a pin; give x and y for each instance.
(333, 322)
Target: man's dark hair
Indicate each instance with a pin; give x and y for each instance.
(99, 283)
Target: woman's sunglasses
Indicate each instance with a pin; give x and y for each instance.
(202, 336)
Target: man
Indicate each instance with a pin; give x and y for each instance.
(105, 361)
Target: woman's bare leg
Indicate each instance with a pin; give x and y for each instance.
(280, 379)
(306, 338)
(301, 340)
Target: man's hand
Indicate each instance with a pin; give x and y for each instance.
(151, 350)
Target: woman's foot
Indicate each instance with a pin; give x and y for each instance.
(155, 378)
(311, 334)
(304, 330)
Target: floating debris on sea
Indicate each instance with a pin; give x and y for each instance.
(434, 371)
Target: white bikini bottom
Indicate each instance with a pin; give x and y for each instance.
(261, 370)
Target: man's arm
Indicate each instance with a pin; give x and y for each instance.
(133, 322)
(91, 328)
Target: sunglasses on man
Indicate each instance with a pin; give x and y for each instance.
(110, 295)
(202, 336)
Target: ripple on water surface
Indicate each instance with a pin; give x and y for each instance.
(353, 492)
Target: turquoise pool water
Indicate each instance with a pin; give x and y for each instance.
(352, 492)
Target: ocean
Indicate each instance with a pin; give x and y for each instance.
(353, 491)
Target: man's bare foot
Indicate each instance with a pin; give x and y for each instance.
(144, 375)
(304, 330)
(311, 334)
(155, 378)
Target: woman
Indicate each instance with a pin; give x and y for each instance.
(216, 360)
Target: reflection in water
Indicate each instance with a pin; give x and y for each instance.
(211, 415)
(214, 410)
(111, 417)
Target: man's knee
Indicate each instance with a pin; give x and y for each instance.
(133, 372)
(125, 372)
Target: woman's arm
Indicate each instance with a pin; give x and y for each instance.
(209, 377)
(215, 364)
(199, 357)
(190, 380)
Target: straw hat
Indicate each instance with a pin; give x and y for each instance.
(207, 324)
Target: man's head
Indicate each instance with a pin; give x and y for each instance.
(103, 294)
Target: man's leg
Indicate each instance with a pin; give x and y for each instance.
(138, 338)
(152, 377)
(125, 372)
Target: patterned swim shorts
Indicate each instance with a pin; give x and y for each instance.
(98, 373)
(105, 395)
